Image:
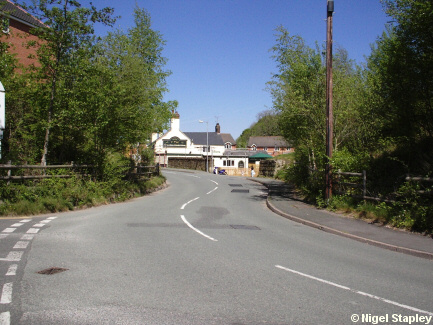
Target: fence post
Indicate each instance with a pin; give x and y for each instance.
(157, 169)
(364, 183)
(9, 171)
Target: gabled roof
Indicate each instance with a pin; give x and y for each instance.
(200, 138)
(227, 137)
(13, 11)
(269, 141)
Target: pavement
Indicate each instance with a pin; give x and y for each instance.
(283, 201)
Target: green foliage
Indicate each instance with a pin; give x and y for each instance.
(55, 195)
(414, 210)
(86, 97)
(266, 125)
(401, 74)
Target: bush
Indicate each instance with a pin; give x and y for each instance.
(55, 194)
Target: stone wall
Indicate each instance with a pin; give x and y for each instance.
(269, 167)
(188, 163)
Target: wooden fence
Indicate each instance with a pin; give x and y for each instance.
(38, 172)
(355, 184)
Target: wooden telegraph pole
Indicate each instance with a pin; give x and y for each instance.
(329, 112)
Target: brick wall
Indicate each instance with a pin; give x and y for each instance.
(18, 38)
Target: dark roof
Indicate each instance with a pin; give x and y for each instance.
(199, 138)
(270, 141)
(227, 137)
(14, 11)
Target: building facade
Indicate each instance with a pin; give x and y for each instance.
(272, 145)
(16, 32)
(215, 147)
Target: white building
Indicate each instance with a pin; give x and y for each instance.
(218, 148)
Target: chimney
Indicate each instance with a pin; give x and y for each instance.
(175, 123)
(217, 128)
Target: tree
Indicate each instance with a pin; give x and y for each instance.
(266, 125)
(299, 93)
(68, 37)
(401, 72)
(131, 64)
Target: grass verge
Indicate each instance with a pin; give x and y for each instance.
(56, 195)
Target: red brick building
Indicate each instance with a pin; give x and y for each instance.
(16, 25)
(273, 145)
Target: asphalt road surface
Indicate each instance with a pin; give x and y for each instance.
(205, 250)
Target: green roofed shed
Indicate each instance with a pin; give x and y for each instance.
(260, 155)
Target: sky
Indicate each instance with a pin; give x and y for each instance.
(219, 50)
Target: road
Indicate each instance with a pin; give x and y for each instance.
(205, 250)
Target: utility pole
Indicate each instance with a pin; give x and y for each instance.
(329, 110)
(207, 144)
(2, 115)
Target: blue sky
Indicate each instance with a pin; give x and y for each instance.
(218, 50)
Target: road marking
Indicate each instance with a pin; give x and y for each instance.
(27, 237)
(33, 231)
(356, 291)
(212, 190)
(39, 225)
(9, 230)
(13, 257)
(3, 236)
(21, 245)
(214, 182)
(17, 224)
(196, 230)
(6, 297)
(12, 269)
(5, 318)
(26, 220)
(183, 206)
(46, 221)
(51, 218)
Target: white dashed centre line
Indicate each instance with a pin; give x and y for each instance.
(33, 231)
(212, 190)
(196, 230)
(183, 206)
(355, 291)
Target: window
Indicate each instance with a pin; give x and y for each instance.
(265, 148)
(5, 24)
(254, 147)
(277, 148)
(241, 164)
(228, 163)
(228, 145)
